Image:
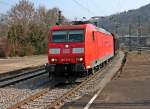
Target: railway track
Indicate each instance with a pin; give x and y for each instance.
(51, 98)
(23, 75)
(56, 96)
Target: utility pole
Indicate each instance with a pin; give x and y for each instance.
(130, 45)
(102, 25)
(117, 24)
(59, 18)
(139, 34)
(116, 28)
(95, 23)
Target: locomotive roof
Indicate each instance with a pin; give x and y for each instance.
(59, 27)
(102, 30)
(81, 26)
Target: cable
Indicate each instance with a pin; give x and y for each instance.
(96, 6)
(119, 5)
(87, 4)
(82, 6)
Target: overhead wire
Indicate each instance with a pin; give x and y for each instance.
(119, 6)
(85, 8)
(88, 4)
(96, 6)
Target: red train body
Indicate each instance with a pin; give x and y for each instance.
(78, 48)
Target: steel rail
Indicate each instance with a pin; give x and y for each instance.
(19, 73)
(45, 91)
(31, 98)
(10, 80)
(69, 93)
(60, 100)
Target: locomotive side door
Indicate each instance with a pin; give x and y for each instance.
(95, 47)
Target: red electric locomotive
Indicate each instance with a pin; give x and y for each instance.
(78, 49)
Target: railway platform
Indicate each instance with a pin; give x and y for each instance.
(16, 63)
(128, 90)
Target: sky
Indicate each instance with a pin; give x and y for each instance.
(82, 8)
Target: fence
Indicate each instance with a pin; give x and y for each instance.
(134, 42)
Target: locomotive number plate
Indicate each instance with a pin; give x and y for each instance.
(66, 51)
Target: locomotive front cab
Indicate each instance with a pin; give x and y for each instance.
(66, 51)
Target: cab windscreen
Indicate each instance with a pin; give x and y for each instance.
(68, 36)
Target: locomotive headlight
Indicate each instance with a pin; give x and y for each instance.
(80, 59)
(52, 60)
(66, 46)
(78, 50)
(54, 51)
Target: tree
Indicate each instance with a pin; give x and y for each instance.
(23, 12)
(27, 28)
(20, 17)
(52, 16)
(3, 25)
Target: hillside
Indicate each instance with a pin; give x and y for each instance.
(122, 20)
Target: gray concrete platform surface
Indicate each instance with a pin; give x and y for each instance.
(129, 90)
